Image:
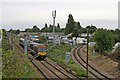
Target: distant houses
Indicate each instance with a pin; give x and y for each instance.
(59, 37)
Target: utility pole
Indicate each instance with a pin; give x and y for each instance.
(87, 55)
(54, 15)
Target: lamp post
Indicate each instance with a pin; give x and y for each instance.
(54, 15)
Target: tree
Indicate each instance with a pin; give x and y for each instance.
(91, 28)
(83, 30)
(35, 29)
(10, 30)
(117, 31)
(70, 25)
(104, 40)
(17, 31)
(77, 25)
(28, 30)
(75, 33)
(116, 34)
(62, 30)
(4, 32)
(51, 28)
(58, 26)
(45, 29)
(14, 31)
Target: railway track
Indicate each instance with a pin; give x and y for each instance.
(47, 68)
(82, 62)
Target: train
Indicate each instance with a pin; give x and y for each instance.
(35, 48)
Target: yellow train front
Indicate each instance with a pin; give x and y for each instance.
(39, 49)
(42, 51)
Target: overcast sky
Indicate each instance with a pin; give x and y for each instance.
(22, 14)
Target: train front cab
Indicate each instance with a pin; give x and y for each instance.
(42, 51)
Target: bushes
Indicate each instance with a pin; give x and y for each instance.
(104, 40)
(13, 64)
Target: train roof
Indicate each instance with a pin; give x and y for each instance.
(36, 44)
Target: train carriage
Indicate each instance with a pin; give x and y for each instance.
(35, 48)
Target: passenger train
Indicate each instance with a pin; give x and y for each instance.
(35, 48)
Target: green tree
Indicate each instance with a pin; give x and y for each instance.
(104, 40)
(58, 26)
(116, 34)
(77, 25)
(70, 25)
(117, 31)
(17, 31)
(62, 30)
(28, 30)
(35, 29)
(75, 33)
(83, 30)
(91, 28)
(45, 29)
(4, 32)
(51, 28)
(10, 30)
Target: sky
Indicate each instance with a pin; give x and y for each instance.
(22, 14)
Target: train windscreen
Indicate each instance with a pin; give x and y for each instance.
(41, 49)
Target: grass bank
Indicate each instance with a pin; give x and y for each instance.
(13, 63)
(103, 62)
(57, 54)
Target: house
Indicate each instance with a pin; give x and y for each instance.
(115, 47)
(31, 35)
(91, 43)
(85, 35)
(80, 40)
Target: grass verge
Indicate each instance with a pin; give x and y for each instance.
(14, 64)
(57, 54)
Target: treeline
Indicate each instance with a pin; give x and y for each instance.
(46, 28)
(71, 25)
(50, 28)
